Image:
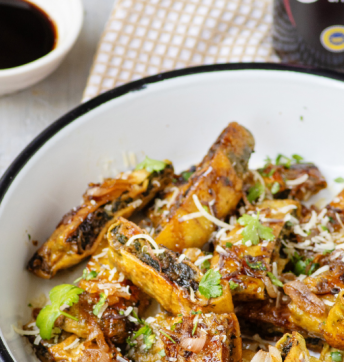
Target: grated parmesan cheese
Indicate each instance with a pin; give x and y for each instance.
(192, 296)
(193, 215)
(221, 250)
(143, 236)
(287, 208)
(329, 303)
(37, 340)
(135, 204)
(298, 181)
(200, 260)
(128, 311)
(323, 269)
(73, 344)
(102, 310)
(102, 254)
(181, 258)
(132, 159)
(22, 332)
(211, 218)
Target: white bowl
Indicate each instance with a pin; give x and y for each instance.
(175, 116)
(67, 16)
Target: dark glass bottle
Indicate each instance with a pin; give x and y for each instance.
(310, 32)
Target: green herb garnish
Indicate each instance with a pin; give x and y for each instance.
(336, 356)
(274, 280)
(339, 180)
(194, 328)
(98, 306)
(283, 160)
(210, 286)
(254, 230)
(300, 266)
(233, 285)
(254, 192)
(264, 174)
(162, 353)
(87, 276)
(151, 165)
(205, 264)
(275, 188)
(186, 175)
(229, 245)
(59, 295)
(167, 336)
(313, 268)
(198, 312)
(297, 158)
(258, 265)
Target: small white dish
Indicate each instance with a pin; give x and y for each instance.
(175, 116)
(68, 17)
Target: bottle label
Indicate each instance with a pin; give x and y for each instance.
(320, 23)
(332, 38)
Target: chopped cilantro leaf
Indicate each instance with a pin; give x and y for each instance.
(162, 353)
(274, 280)
(151, 165)
(300, 266)
(121, 312)
(233, 285)
(98, 306)
(339, 179)
(229, 245)
(87, 276)
(254, 230)
(143, 330)
(210, 286)
(186, 175)
(324, 228)
(198, 312)
(336, 356)
(275, 188)
(254, 192)
(258, 265)
(148, 336)
(180, 315)
(205, 264)
(59, 295)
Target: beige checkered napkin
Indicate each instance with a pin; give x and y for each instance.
(146, 37)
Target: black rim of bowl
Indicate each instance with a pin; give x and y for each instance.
(55, 127)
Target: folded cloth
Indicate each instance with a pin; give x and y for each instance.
(146, 37)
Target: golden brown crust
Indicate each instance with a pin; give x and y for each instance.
(162, 276)
(80, 232)
(217, 180)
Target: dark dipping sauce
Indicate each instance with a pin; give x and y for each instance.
(26, 33)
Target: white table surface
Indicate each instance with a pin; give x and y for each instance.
(25, 114)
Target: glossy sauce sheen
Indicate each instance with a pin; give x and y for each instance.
(26, 33)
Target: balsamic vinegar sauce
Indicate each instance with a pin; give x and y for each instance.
(26, 33)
